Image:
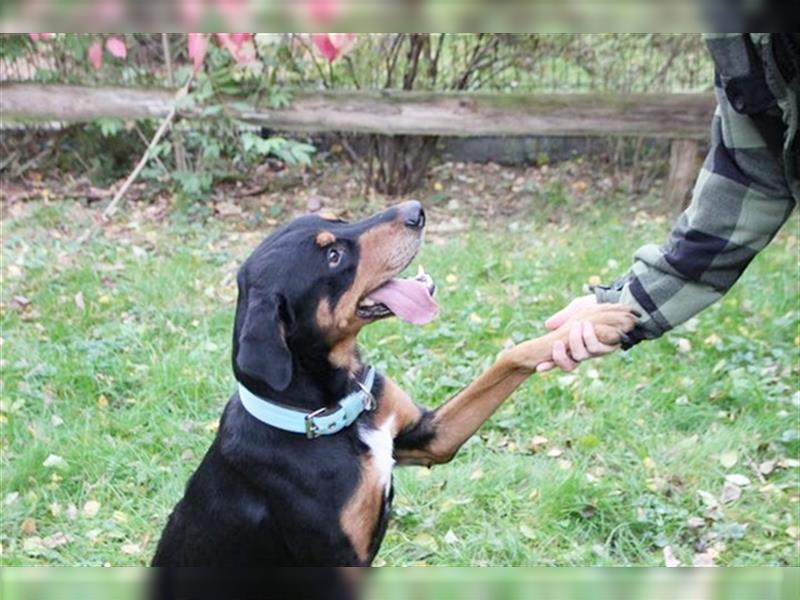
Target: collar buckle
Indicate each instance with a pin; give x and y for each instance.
(312, 431)
(369, 400)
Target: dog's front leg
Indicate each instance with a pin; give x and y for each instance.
(436, 436)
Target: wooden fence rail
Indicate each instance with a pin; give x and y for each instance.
(675, 116)
(683, 118)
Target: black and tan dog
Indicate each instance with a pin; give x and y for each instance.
(264, 495)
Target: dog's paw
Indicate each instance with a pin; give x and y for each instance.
(611, 321)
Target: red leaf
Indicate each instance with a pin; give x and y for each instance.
(234, 43)
(116, 47)
(323, 43)
(198, 46)
(333, 45)
(95, 55)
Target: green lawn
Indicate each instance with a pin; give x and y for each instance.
(115, 367)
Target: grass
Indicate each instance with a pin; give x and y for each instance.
(115, 367)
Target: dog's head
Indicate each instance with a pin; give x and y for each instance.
(311, 286)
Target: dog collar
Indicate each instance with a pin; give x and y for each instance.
(324, 421)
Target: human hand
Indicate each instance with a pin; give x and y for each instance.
(583, 341)
(609, 324)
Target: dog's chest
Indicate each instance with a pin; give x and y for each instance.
(381, 448)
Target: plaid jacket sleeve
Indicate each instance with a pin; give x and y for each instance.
(740, 200)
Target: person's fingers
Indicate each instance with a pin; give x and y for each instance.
(593, 345)
(577, 349)
(561, 317)
(561, 358)
(545, 366)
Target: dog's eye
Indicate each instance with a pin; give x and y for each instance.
(334, 257)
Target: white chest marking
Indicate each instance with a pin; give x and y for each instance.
(381, 447)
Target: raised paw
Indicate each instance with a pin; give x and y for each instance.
(611, 322)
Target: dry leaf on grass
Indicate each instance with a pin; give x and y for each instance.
(28, 527)
(451, 538)
(537, 442)
(695, 522)
(728, 459)
(670, 560)
(55, 540)
(767, 467)
(130, 549)
(54, 461)
(730, 493)
(737, 479)
(91, 508)
(703, 559)
(476, 474)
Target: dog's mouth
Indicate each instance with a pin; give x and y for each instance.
(410, 299)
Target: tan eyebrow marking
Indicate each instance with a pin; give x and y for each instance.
(328, 215)
(325, 238)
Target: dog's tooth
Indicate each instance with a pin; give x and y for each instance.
(368, 302)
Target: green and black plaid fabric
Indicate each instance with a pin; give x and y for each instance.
(747, 188)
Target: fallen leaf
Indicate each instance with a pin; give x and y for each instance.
(708, 499)
(426, 540)
(649, 463)
(730, 493)
(475, 318)
(91, 508)
(767, 467)
(476, 474)
(537, 442)
(102, 401)
(451, 538)
(54, 461)
(595, 280)
(737, 479)
(564, 464)
(33, 546)
(793, 531)
(684, 345)
(728, 459)
(450, 278)
(670, 560)
(79, 301)
(28, 527)
(712, 340)
(695, 522)
(55, 540)
(789, 463)
(527, 532)
(130, 548)
(555, 452)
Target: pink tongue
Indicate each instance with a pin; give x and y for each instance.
(409, 299)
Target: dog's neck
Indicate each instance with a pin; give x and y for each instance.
(315, 384)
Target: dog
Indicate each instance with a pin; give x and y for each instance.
(300, 470)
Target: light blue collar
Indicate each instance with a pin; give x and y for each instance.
(323, 421)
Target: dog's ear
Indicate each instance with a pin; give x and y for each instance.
(263, 353)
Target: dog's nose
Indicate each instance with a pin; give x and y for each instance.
(413, 214)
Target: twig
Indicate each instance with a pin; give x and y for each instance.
(177, 138)
(143, 137)
(112, 207)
